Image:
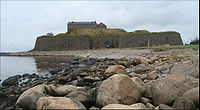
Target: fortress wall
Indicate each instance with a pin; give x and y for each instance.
(83, 43)
(154, 39)
(102, 42)
(61, 43)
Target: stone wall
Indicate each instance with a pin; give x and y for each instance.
(103, 42)
(62, 43)
(154, 39)
(83, 43)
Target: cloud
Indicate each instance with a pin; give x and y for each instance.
(22, 22)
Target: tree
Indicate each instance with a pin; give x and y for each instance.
(195, 41)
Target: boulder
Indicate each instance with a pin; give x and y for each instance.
(90, 79)
(185, 69)
(82, 94)
(150, 106)
(144, 60)
(65, 89)
(43, 89)
(148, 92)
(165, 91)
(116, 69)
(189, 80)
(119, 89)
(13, 80)
(93, 68)
(145, 100)
(153, 59)
(152, 75)
(139, 106)
(30, 101)
(116, 107)
(183, 103)
(85, 95)
(193, 95)
(165, 107)
(136, 61)
(139, 84)
(58, 103)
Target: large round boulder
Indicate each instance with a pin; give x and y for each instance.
(43, 89)
(165, 91)
(183, 103)
(139, 84)
(193, 95)
(117, 107)
(30, 101)
(116, 69)
(118, 89)
(58, 103)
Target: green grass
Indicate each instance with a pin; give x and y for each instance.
(165, 48)
(104, 33)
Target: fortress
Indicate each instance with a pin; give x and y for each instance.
(84, 42)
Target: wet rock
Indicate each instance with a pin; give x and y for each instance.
(65, 79)
(26, 75)
(30, 101)
(9, 103)
(116, 69)
(116, 106)
(55, 71)
(13, 80)
(74, 62)
(139, 84)
(165, 107)
(83, 74)
(118, 88)
(138, 106)
(183, 103)
(58, 103)
(193, 95)
(164, 91)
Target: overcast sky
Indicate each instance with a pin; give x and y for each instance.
(22, 22)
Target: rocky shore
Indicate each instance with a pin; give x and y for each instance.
(142, 80)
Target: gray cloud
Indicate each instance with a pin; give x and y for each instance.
(22, 22)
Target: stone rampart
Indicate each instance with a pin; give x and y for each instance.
(83, 43)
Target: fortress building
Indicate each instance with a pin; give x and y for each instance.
(55, 43)
(77, 25)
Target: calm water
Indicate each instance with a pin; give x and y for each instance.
(13, 65)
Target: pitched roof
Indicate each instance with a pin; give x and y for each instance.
(82, 22)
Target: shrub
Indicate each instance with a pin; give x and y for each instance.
(195, 41)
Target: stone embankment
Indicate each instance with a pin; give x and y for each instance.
(155, 81)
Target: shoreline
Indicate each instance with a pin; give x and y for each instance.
(87, 71)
